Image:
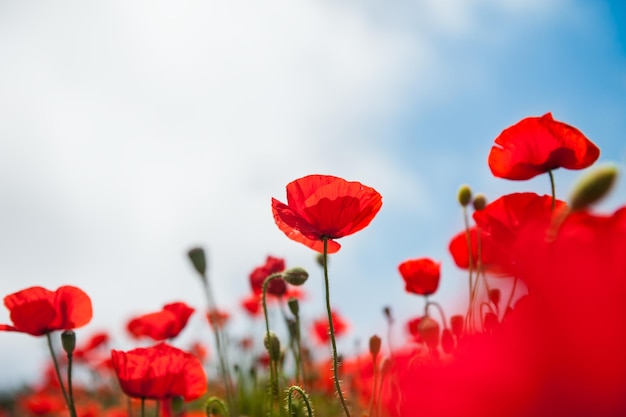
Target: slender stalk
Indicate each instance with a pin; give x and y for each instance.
(305, 397)
(70, 391)
(470, 257)
(510, 300)
(553, 189)
(373, 397)
(441, 313)
(221, 353)
(212, 402)
(58, 373)
(143, 407)
(331, 329)
(273, 367)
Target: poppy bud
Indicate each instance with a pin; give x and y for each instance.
(196, 255)
(294, 306)
(480, 202)
(464, 196)
(490, 322)
(456, 322)
(320, 259)
(374, 346)
(428, 330)
(292, 326)
(387, 313)
(296, 276)
(272, 344)
(494, 296)
(68, 340)
(447, 341)
(593, 187)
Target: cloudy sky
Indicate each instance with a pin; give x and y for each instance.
(131, 131)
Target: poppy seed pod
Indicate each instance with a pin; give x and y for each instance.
(198, 259)
(479, 203)
(375, 346)
(68, 341)
(464, 196)
(593, 187)
(296, 276)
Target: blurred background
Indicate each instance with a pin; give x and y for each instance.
(131, 131)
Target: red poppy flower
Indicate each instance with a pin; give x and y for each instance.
(547, 357)
(321, 329)
(38, 311)
(272, 265)
(164, 324)
(505, 220)
(493, 259)
(323, 206)
(421, 276)
(217, 318)
(159, 372)
(536, 145)
(252, 304)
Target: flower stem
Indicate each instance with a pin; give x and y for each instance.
(70, 391)
(58, 373)
(212, 402)
(553, 189)
(305, 397)
(331, 329)
(273, 369)
(143, 407)
(221, 353)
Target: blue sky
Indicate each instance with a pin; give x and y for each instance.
(132, 131)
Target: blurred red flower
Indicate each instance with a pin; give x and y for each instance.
(159, 372)
(493, 259)
(421, 276)
(252, 304)
(559, 352)
(38, 311)
(272, 265)
(87, 350)
(323, 206)
(321, 329)
(536, 145)
(217, 318)
(161, 325)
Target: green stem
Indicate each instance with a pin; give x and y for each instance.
(373, 397)
(221, 353)
(214, 401)
(273, 369)
(58, 373)
(143, 407)
(510, 300)
(470, 257)
(331, 329)
(553, 189)
(305, 397)
(441, 313)
(70, 390)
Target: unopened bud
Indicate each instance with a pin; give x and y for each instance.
(68, 341)
(464, 196)
(320, 259)
(447, 341)
(428, 330)
(294, 306)
(387, 313)
(296, 276)
(494, 296)
(374, 346)
(196, 255)
(593, 186)
(480, 202)
(272, 344)
(457, 323)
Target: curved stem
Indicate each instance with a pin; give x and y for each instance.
(443, 315)
(553, 189)
(331, 329)
(305, 397)
(510, 300)
(212, 401)
(58, 373)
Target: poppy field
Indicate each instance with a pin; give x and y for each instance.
(544, 333)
